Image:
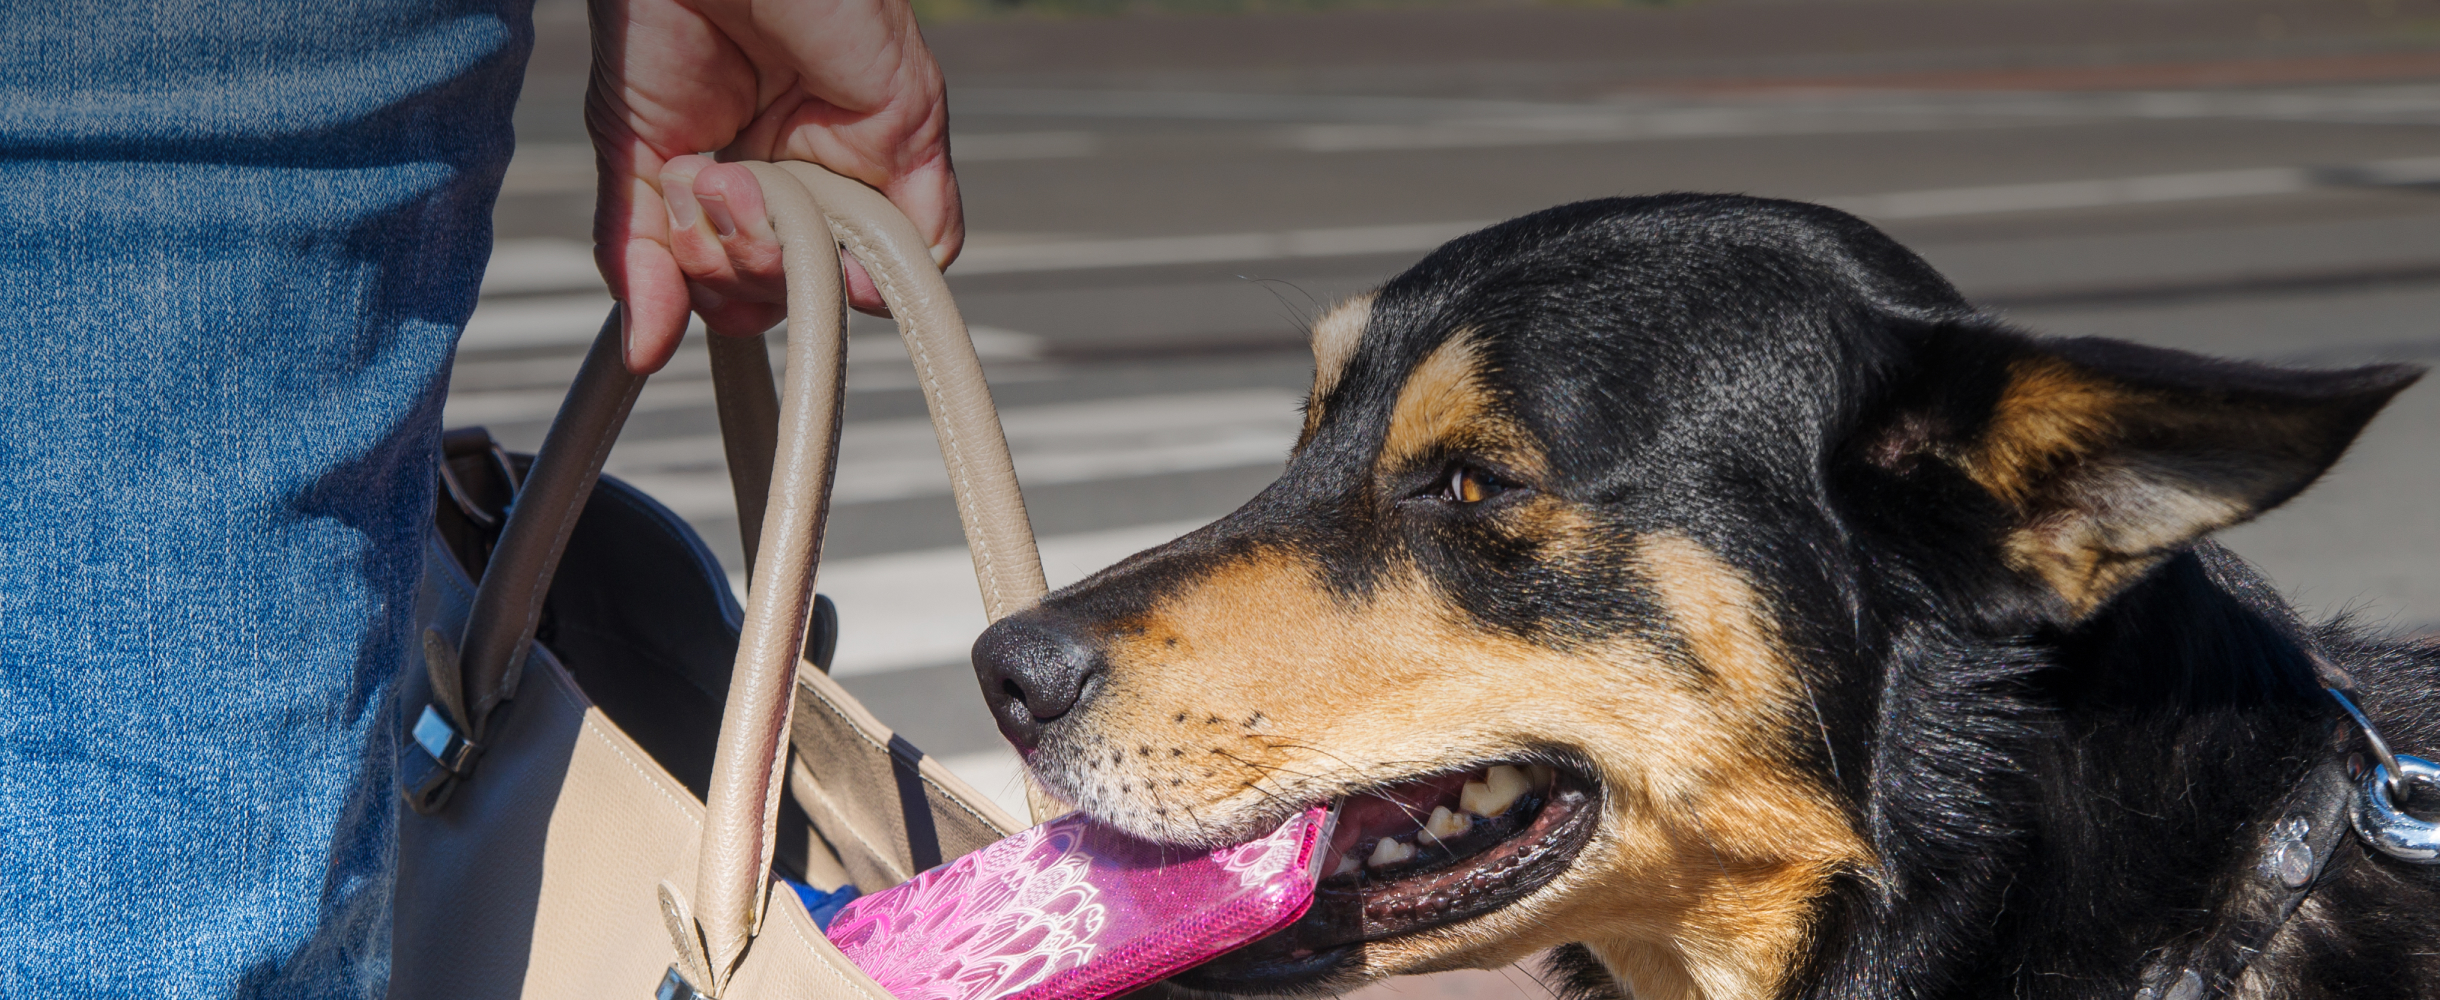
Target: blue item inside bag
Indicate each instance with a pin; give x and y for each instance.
(820, 904)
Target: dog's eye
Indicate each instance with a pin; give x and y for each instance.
(1468, 485)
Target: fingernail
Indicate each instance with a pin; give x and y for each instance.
(940, 255)
(683, 212)
(717, 210)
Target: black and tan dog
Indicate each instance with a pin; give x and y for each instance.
(1700, 584)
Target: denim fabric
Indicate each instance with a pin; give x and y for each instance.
(237, 243)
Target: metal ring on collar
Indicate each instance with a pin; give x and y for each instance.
(2372, 735)
(2389, 829)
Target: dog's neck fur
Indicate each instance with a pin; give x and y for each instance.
(2048, 809)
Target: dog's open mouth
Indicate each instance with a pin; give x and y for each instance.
(1413, 856)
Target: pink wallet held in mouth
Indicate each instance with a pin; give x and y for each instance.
(1075, 910)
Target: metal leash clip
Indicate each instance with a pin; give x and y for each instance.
(2377, 818)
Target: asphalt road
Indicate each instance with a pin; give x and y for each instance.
(1159, 204)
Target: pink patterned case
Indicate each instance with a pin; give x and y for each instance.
(1074, 910)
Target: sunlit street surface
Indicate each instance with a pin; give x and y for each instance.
(1158, 203)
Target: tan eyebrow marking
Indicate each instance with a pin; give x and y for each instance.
(1335, 337)
(1442, 396)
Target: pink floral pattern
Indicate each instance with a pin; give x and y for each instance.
(1072, 910)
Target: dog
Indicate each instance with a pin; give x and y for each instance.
(1699, 590)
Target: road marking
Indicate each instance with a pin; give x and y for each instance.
(510, 406)
(996, 773)
(538, 321)
(1765, 114)
(548, 168)
(543, 265)
(1186, 105)
(1998, 198)
(986, 147)
(1585, 123)
(1342, 241)
(1599, 126)
(563, 168)
(513, 322)
(921, 608)
(1935, 203)
(1063, 443)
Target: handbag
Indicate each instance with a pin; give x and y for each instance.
(604, 757)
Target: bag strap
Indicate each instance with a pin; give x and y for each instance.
(508, 602)
(740, 816)
(981, 476)
(814, 212)
(748, 405)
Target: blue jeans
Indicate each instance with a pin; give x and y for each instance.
(237, 243)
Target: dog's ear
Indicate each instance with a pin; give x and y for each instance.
(2099, 458)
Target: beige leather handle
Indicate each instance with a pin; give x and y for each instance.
(742, 805)
(983, 480)
(814, 212)
(749, 428)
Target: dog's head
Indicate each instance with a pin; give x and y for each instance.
(1599, 523)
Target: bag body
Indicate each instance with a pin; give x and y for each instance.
(604, 758)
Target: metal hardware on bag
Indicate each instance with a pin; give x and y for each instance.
(454, 752)
(425, 783)
(675, 987)
(2389, 829)
(465, 499)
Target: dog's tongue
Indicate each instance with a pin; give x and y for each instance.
(1076, 910)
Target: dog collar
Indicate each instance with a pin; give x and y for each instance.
(2292, 854)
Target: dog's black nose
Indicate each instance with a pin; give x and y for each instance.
(1033, 671)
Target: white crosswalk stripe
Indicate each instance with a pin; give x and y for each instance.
(997, 773)
(1069, 443)
(917, 609)
(900, 459)
(529, 389)
(528, 266)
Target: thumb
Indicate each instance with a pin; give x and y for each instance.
(631, 246)
(929, 196)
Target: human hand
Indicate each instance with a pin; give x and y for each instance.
(847, 84)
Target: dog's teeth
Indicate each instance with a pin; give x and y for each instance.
(1542, 775)
(1491, 796)
(1349, 864)
(1445, 824)
(1472, 797)
(1390, 851)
